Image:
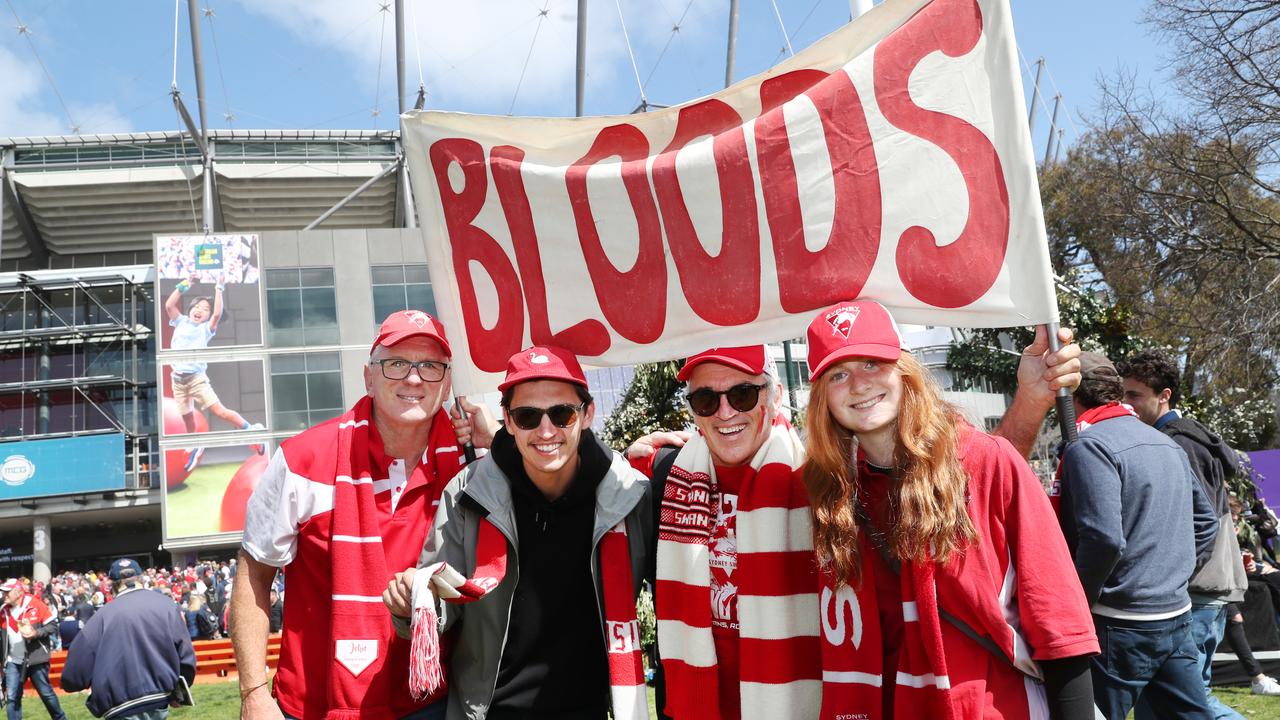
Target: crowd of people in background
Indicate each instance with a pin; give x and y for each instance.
(201, 591)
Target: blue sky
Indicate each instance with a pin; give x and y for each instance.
(330, 63)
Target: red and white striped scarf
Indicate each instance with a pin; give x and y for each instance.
(359, 624)
(777, 585)
(853, 648)
(622, 638)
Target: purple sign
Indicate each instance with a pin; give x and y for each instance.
(1266, 466)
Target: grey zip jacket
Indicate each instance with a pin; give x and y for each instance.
(480, 629)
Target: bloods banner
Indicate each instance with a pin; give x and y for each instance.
(890, 160)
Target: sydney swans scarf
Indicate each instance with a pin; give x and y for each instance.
(853, 648)
(777, 585)
(622, 639)
(360, 627)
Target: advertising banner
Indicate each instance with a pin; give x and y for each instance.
(61, 466)
(891, 160)
(208, 497)
(208, 291)
(201, 396)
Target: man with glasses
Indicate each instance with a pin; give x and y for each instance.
(745, 549)
(341, 506)
(544, 541)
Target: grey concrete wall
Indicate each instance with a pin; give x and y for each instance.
(351, 254)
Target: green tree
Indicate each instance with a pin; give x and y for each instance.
(652, 402)
(990, 355)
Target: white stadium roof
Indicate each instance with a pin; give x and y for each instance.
(107, 194)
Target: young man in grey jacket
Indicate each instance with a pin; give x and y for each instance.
(1138, 526)
(1152, 386)
(535, 645)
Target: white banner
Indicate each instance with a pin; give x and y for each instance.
(890, 160)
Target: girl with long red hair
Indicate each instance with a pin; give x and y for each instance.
(948, 590)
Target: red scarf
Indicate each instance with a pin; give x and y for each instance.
(32, 609)
(1092, 416)
(622, 635)
(777, 594)
(360, 626)
(853, 651)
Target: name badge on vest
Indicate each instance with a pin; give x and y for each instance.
(356, 655)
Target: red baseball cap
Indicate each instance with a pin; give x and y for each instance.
(861, 328)
(543, 362)
(751, 359)
(404, 324)
(10, 584)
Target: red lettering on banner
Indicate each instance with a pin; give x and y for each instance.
(961, 272)
(589, 337)
(813, 279)
(490, 347)
(634, 302)
(722, 289)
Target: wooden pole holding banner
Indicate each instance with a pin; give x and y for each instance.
(1066, 409)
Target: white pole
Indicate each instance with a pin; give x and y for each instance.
(858, 7)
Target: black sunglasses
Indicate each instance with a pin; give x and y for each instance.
(529, 418)
(705, 402)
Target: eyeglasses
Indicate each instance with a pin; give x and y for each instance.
(529, 418)
(397, 369)
(705, 402)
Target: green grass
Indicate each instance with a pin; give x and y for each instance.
(194, 507)
(1248, 704)
(214, 701)
(221, 701)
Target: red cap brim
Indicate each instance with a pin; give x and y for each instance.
(875, 351)
(399, 336)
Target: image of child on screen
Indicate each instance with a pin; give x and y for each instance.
(191, 387)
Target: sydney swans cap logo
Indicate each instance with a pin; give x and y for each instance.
(16, 470)
(538, 359)
(841, 320)
(417, 317)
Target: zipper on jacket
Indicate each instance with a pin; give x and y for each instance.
(506, 627)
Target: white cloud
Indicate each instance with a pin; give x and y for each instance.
(29, 107)
(19, 111)
(473, 52)
(100, 118)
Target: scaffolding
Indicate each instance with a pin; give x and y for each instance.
(77, 358)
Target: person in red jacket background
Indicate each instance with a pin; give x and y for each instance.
(29, 625)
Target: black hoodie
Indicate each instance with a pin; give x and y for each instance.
(1214, 462)
(565, 674)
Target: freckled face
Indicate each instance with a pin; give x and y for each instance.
(863, 396)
